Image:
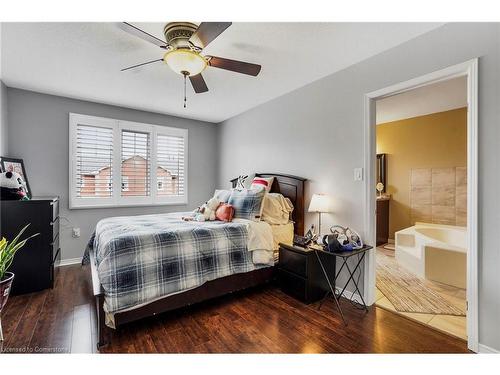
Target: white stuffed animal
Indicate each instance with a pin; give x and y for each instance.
(207, 211)
(12, 187)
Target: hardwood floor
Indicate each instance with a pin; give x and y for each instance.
(262, 320)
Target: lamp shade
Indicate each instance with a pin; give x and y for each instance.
(320, 203)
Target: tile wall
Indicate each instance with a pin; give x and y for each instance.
(439, 195)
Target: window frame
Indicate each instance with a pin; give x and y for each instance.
(116, 199)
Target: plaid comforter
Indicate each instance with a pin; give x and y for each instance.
(142, 258)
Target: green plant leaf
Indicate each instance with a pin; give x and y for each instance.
(9, 249)
(14, 241)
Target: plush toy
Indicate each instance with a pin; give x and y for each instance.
(207, 211)
(12, 187)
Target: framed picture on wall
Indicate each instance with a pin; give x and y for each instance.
(15, 165)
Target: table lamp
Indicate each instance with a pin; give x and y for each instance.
(320, 203)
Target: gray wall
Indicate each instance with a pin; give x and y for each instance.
(3, 120)
(317, 132)
(39, 132)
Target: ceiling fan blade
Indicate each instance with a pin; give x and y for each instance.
(131, 29)
(199, 84)
(145, 63)
(207, 32)
(234, 65)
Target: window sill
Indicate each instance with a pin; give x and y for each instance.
(113, 205)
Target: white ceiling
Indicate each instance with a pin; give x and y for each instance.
(83, 61)
(438, 97)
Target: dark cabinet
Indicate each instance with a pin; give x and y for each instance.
(33, 264)
(300, 274)
(382, 221)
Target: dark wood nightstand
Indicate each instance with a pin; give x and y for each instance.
(300, 274)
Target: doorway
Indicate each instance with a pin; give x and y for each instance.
(421, 259)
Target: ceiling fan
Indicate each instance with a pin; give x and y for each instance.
(184, 45)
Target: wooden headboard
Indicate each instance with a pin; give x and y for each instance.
(291, 187)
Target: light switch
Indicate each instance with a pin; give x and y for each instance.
(358, 174)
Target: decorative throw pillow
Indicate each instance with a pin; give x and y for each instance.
(222, 195)
(247, 203)
(265, 182)
(240, 182)
(224, 212)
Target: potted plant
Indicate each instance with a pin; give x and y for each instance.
(7, 252)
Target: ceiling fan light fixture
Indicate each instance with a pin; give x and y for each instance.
(185, 60)
(183, 43)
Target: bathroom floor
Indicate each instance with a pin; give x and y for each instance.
(454, 325)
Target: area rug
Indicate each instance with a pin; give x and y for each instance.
(407, 292)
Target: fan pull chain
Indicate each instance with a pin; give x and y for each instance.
(185, 75)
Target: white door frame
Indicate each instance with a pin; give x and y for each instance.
(470, 70)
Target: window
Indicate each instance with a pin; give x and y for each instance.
(170, 164)
(136, 163)
(105, 153)
(161, 183)
(124, 183)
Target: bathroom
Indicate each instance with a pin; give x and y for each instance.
(421, 254)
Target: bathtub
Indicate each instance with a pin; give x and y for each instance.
(435, 252)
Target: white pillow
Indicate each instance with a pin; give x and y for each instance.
(248, 181)
(265, 182)
(222, 195)
(276, 209)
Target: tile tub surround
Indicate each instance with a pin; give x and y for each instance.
(439, 195)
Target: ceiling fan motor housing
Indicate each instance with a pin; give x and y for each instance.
(177, 34)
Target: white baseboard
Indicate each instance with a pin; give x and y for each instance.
(484, 349)
(349, 295)
(68, 262)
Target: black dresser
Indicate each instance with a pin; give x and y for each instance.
(33, 264)
(300, 274)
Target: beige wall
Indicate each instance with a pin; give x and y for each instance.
(438, 140)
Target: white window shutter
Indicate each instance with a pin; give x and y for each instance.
(120, 163)
(94, 159)
(170, 160)
(136, 163)
(91, 161)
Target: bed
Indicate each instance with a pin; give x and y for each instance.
(118, 301)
